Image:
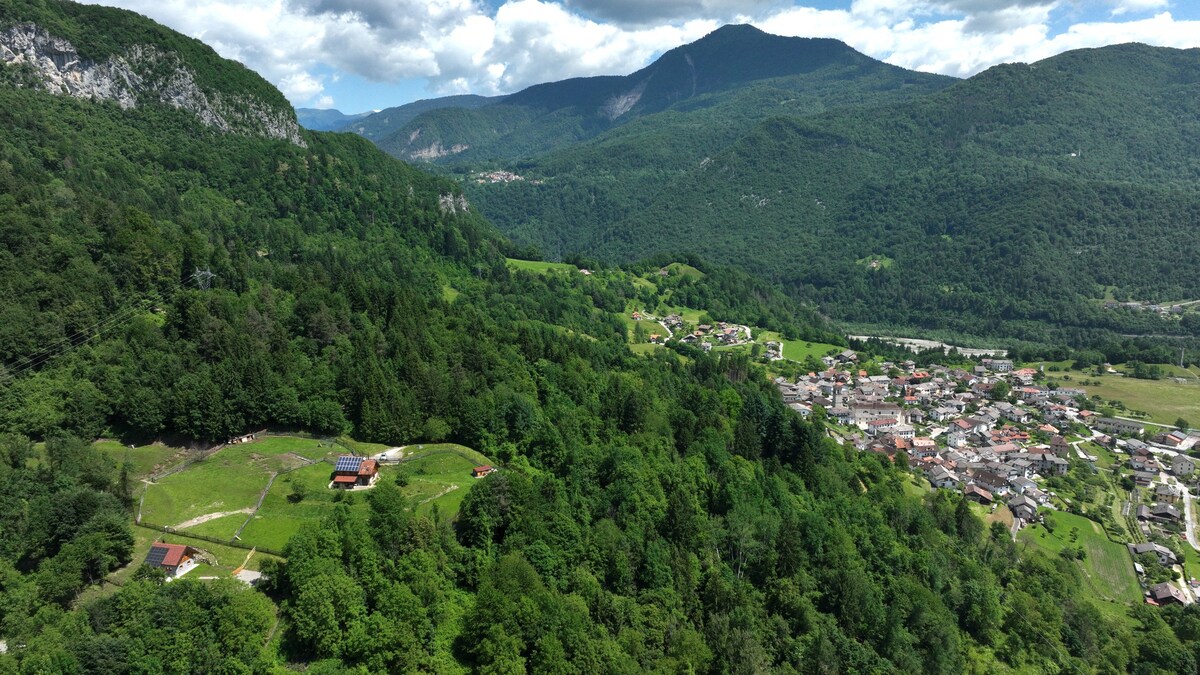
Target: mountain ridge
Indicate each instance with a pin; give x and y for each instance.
(60, 52)
(547, 116)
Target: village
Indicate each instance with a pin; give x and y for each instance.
(706, 336)
(1006, 440)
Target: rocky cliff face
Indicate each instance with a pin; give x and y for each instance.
(141, 75)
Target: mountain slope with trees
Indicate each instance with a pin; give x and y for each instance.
(653, 513)
(1007, 205)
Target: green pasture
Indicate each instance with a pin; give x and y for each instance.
(1109, 580)
(145, 459)
(538, 266)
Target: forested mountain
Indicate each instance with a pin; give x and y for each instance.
(383, 124)
(325, 120)
(733, 74)
(654, 513)
(1004, 205)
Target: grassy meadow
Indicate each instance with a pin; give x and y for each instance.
(1108, 576)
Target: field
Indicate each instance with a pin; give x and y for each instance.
(687, 271)
(1164, 400)
(216, 496)
(798, 350)
(538, 266)
(1109, 579)
(145, 460)
(648, 327)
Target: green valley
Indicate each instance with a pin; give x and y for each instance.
(273, 401)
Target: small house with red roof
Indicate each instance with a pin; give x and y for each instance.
(481, 471)
(174, 559)
(354, 472)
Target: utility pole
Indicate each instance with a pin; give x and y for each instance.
(203, 278)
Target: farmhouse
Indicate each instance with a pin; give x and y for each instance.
(354, 472)
(1164, 554)
(174, 559)
(481, 471)
(1166, 593)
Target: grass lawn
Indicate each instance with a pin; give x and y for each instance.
(1164, 400)
(1000, 515)
(916, 486)
(230, 480)
(644, 348)
(309, 448)
(1191, 559)
(438, 474)
(213, 485)
(359, 447)
(798, 350)
(440, 478)
(222, 528)
(1109, 579)
(145, 459)
(649, 327)
(539, 267)
(278, 519)
(680, 269)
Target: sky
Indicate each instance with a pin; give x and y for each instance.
(358, 55)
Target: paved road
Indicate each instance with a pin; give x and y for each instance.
(1188, 517)
(1189, 521)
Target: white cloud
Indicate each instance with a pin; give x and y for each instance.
(300, 87)
(1120, 7)
(465, 45)
(963, 37)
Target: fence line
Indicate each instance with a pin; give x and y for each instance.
(214, 540)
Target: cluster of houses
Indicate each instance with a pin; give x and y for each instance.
(708, 335)
(951, 426)
(492, 177)
(1145, 307)
(990, 451)
(947, 423)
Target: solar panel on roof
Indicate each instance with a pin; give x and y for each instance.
(156, 555)
(347, 463)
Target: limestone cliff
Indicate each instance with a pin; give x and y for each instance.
(142, 74)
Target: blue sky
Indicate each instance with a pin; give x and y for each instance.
(359, 55)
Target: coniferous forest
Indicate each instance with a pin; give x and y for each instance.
(661, 513)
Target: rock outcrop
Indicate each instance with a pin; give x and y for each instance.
(142, 74)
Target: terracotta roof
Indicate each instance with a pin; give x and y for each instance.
(166, 555)
(369, 467)
(345, 479)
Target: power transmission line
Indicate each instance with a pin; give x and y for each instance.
(201, 278)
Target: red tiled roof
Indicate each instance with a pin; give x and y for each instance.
(369, 467)
(345, 479)
(172, 554)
